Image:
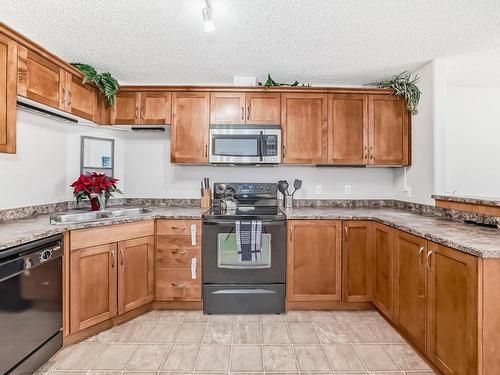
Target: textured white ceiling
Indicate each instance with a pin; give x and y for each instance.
(316, 41)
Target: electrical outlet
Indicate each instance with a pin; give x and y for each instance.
(317, 190)
(347, 189)
(407, 191)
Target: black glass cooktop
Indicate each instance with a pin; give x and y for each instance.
(246, 213)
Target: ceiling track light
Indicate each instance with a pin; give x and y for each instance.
(208, 18)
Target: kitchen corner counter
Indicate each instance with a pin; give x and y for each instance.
(17, 232)
(475, 240)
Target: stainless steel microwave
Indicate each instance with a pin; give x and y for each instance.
(245, 144)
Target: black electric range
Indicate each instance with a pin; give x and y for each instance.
(233, 286)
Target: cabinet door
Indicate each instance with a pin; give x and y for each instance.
(40, 79)
(81, 100)
(382, 284)
(314, 260)
(348, 129)
(135, 273)
(304, 118)
(189, 138)
(8, 82)
(263, 108)
(227, 108)
(92, 286)
(410, 287)
(126, 110)
(156, 108)
(452, 333)
(357, 261)
(389, 131)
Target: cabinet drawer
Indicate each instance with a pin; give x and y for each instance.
(177, 242)
(176, 284)
(177, 258)
(177, 227)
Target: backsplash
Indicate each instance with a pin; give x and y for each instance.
(28, 211)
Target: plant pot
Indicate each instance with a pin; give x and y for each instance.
(94, 204)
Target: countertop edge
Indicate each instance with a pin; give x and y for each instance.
(494, 202)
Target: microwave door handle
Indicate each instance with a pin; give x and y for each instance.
(261, 146)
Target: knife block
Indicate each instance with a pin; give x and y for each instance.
(206, 198)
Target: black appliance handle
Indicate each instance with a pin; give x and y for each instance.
(261, 145)
(265, 223)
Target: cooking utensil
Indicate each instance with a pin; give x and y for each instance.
(297, 184)
(285, 187)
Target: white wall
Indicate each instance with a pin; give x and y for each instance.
(47, 161)
(471, 127)
(420, 175)
(149, 174)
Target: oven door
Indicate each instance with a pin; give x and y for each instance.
(244, 145)
(220, 254)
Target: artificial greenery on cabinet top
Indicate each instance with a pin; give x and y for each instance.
(104, 81)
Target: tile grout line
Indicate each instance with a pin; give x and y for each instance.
(321, 342)
(173, 338)
(201, 344)
(295, 358)
(352, 343)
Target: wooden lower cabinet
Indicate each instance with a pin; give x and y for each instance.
(383, 243)
(178, 246)
(135, 273)
(93, 286)
(314, 260)
(357, 261)
(410, 287)
(452, 311)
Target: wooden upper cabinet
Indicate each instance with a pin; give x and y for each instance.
(8, 82)
(227, 108)
(348, 129)
(40, 79)
(92, 286)
(389, 131)
(314, 260)
(304, 119)
(452, 315)
(189, 133)
(126, 109)
(81, 100)
(135, 273)
(383, 274)
(357, 261)
(263, 108)
(155, 108)
(410, 286)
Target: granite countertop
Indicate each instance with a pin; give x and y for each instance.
(469, 199)
(479, 241)
(17, 232)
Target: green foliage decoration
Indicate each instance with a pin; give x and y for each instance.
(104, 81)
(404, 85)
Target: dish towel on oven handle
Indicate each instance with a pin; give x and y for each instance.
(248, 240)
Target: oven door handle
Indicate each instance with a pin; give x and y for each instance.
(261, 146)
(232, 222)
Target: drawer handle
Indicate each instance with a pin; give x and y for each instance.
(180, 286)
(181, 252)
(178, 228)
(419, 256)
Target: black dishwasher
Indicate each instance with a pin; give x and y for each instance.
(30, 305)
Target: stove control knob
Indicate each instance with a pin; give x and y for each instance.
(45, 255)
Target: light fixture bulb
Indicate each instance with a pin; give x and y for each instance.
(208, 19)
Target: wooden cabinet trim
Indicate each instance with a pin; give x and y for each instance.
(272, 107)
(386, 307)
(88, 237)
(8, 90)
(226, 112)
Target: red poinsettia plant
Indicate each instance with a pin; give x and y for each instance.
(95, 183)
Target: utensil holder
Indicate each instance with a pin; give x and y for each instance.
(288, 201)
(206, 199)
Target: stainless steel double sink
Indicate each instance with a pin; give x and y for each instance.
(83, 217)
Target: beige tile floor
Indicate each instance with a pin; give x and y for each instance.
(300, 342)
